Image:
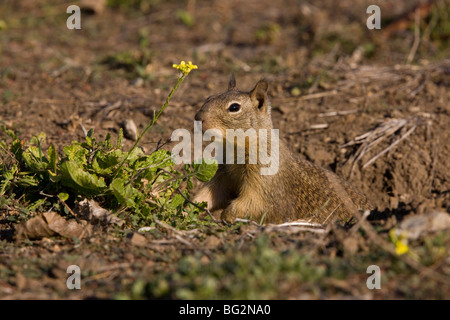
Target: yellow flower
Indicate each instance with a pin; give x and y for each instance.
(401, 247)
(184, 67)
(400, 242)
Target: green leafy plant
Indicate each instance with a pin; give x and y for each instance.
(141, 186)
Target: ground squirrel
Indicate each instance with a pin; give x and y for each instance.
(298, 190)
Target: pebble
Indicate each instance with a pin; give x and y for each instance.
(130, 129)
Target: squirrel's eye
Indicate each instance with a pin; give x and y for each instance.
(235, 107)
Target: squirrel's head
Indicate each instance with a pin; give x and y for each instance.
(236, 109)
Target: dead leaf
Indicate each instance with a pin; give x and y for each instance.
(63, 227)
(34, 228)
(94, 212)
(51, 224)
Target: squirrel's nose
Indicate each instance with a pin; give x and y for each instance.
(198, 116)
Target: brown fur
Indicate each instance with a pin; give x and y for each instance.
(299, 190)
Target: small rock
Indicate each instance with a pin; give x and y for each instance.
(414, 226)
(145, 229)
(138, 239)
(138, 82)
(439, 221)
(130, 129)
(417, 225)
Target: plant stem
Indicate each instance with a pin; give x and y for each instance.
(155, 117)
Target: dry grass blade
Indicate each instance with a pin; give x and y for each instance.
(381, 132)
(369, 140)
(167, 227)
(390, 147)
(303, 223)
(319, 126)
(291, 227)
(319, 95)
(338, 113)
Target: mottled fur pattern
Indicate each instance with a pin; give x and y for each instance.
(299, 190)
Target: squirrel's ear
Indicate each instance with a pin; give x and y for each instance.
(232, 83)
(259, 95)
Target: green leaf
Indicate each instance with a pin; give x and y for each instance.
(119, 139)
(190, 184)
(177, 201)
(104, 163)
(8, 176)
(36, 204)
(107, 143)
(77, 178)
(176, 183)
(32, 157)
(36, 140)
(17, 149)
(90, 133)
(206, 170)
(90, 141)
(75, 152)
(134, 155)
(28, 180)
(52, 158)
(157, 159)
(63, 196)
(9, 132)
(126, 195)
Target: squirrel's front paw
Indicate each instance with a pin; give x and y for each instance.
(242, 208)
(230, 213)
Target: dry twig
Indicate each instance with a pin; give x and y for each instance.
(369, 140)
